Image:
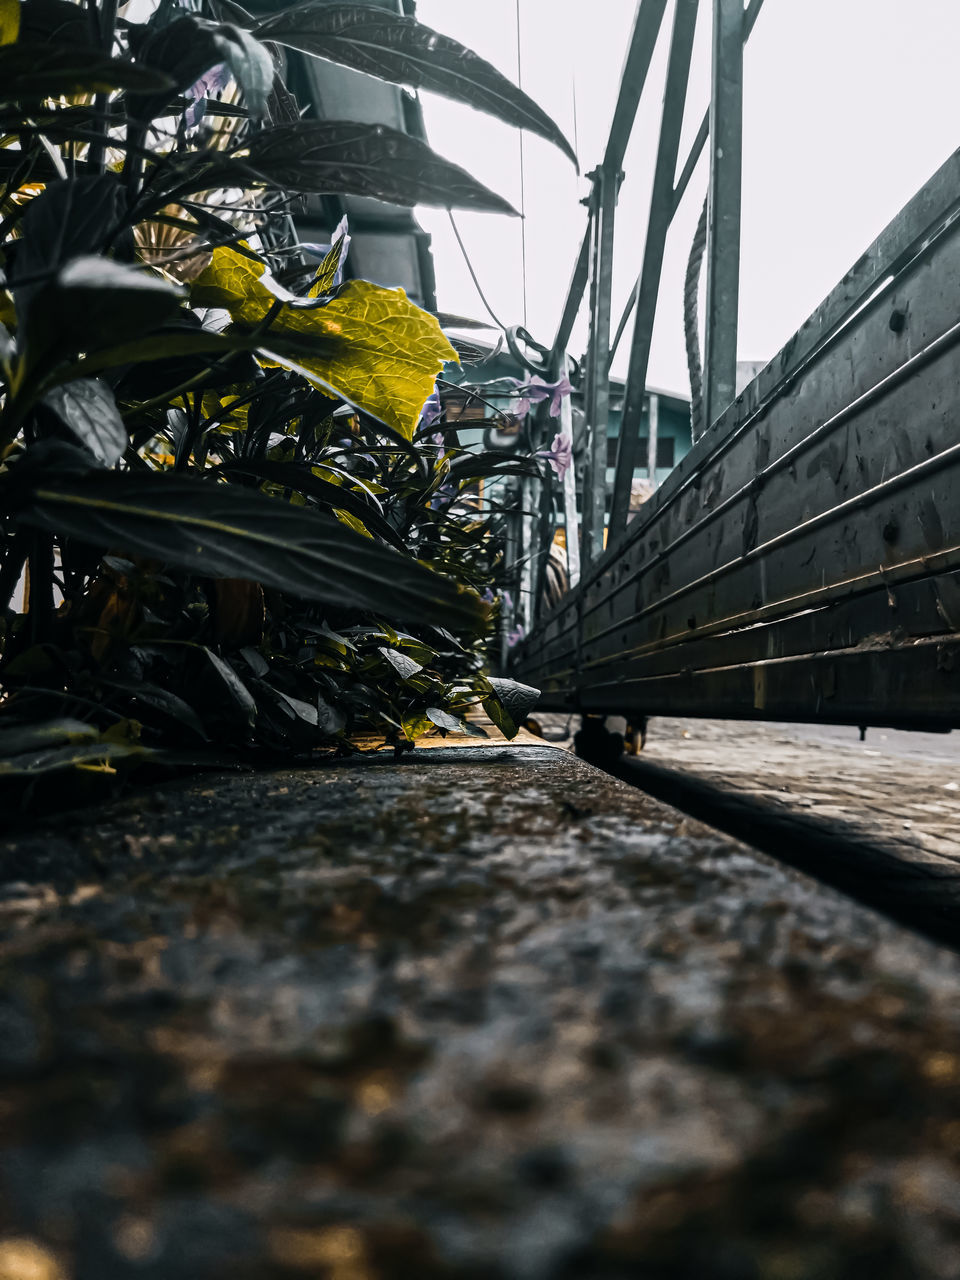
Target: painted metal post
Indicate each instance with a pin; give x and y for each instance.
(571, 523)
(598, 375)
(571, 305)
(723, 225)
(646, 28)
(661, 215)
(511, 557)
(653, 425)
(597, 384)
(643, 42)
(749, 21)
(589, 367)
(528, 529)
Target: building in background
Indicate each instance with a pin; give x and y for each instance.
(492, 375)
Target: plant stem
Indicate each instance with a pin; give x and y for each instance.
(41, 587)
(16, 554)
(108, 23)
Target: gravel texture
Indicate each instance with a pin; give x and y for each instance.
(478, 1013)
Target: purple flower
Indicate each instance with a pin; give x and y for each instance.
(562, 387)
(516, 635)
(507, 600)
(431, 411)
(442, 497)
(559, 455)
(342, 237)
(537, 390)
(488, 595)
(213, 81)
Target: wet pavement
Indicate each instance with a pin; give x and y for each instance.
(478, 1013)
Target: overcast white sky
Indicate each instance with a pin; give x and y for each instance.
(850, 105)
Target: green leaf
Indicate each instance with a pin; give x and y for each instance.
(9, 21)
(68, 219)
(326, 275)
(86, 407)
(370, 345)
(302, 479)
(329, 718)
(400, 662)
(302, 710)
(321, 156)
(157, 699)
(18, 739)
(30, 69)
(509, 704)
(92, 303)
(222, 531)
(236, 690)
(404, 51)
(164, 346)
(188, 47)
(41, 20)
(98, 756)
(450, 320)
(415, 724)
(493, 462)
(255, 661)
(445, 721)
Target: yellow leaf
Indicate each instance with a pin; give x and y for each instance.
(370, 345)
(125, 731)
(326, 275)
(9, 21)
(8, 314)
(416, 725)
(352, 522)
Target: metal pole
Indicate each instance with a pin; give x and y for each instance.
(643, 42)
(571, 306)
(544, 525)
(527, 557)
(598, 404)
(749, 21)
(571, 524)
(508, 616)
(589, 370)
(686, 173)
(661, 215)
(723, 225)
(653, 420)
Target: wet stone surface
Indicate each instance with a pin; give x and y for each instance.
(476, 1014)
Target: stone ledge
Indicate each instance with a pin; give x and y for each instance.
(479, 1013)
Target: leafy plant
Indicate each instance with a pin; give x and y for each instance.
(215, 562)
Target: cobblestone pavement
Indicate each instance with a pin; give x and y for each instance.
(879, 818)
(896, 788)
(480, 1014)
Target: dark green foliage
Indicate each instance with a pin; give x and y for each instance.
(213, 566)
(360, 160)
(404, 51)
